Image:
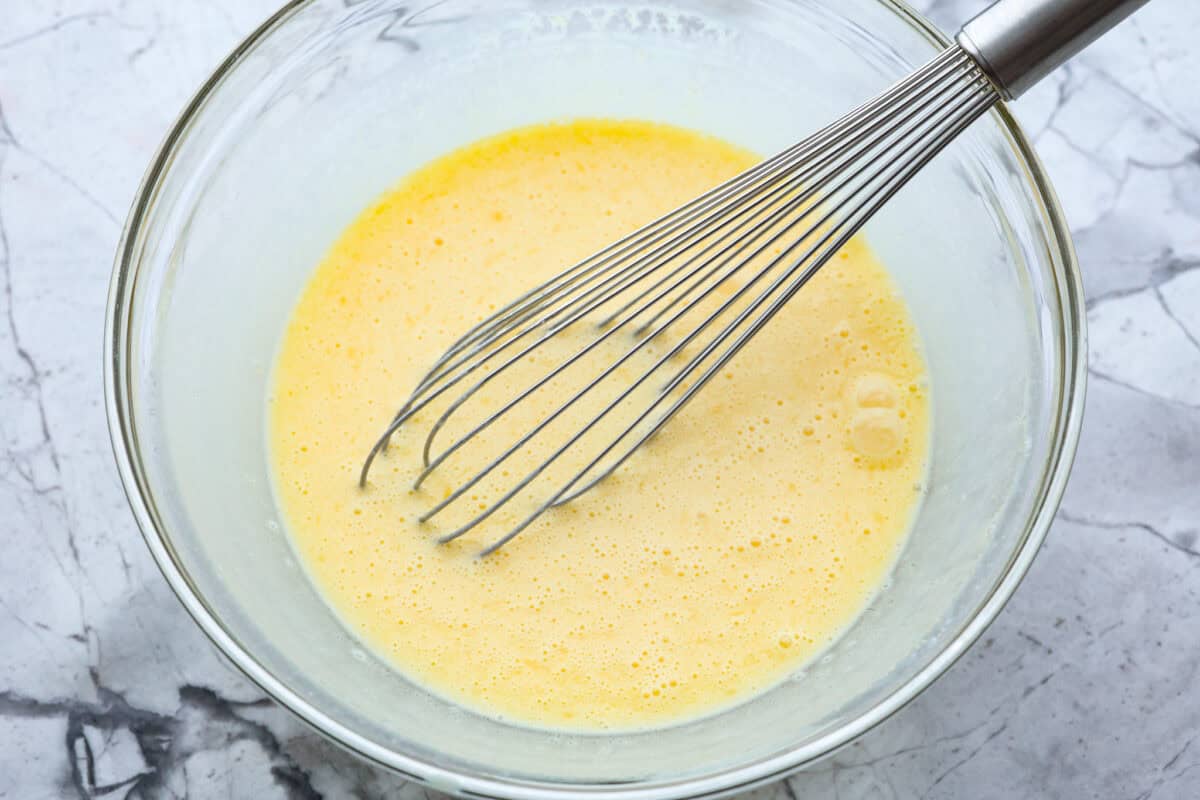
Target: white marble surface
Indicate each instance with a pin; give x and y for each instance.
(1087, 686)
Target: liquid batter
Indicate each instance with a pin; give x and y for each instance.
(714, 563)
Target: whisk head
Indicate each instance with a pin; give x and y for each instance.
(591, 364)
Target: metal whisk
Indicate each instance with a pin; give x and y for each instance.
(677, 299)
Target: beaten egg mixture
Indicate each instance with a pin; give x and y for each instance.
(711, 565)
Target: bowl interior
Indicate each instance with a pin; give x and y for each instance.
(333, 103)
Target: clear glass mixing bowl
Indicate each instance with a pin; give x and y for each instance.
(329, 103)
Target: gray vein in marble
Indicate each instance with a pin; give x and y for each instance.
(203, 721)
(51, 28)
(1184, 544)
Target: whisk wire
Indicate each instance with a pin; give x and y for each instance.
(789, 216)
(894, 185)
(607, 257)
(755, 227)
(829, 250)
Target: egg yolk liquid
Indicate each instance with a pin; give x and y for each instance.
(716, 561)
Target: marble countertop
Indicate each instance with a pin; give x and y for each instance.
(1088, 685)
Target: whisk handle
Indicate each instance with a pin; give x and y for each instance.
(1019, 42)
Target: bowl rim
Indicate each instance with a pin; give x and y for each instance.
(117, 390)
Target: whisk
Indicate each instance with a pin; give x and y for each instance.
(676, 300)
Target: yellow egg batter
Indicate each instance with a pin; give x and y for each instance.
(715, 562)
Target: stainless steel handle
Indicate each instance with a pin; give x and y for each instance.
(1019, 42)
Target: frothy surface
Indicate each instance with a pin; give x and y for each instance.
(737, 546)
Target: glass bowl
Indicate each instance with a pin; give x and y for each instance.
(331, 102)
